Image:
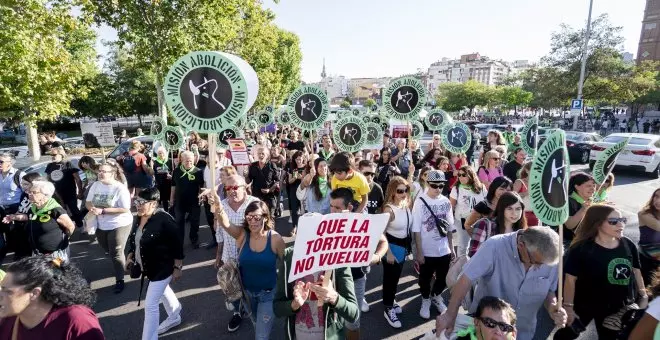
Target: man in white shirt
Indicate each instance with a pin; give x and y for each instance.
(220, 162)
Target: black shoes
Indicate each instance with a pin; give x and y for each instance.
(119, 287)
(194, 244)
(235, 322)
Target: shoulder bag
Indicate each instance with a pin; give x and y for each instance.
(441, 224)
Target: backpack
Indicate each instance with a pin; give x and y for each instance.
(129, 164)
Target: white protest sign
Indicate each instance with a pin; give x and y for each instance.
(96, 135)
(325, 242)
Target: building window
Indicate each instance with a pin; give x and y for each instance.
(650, 26)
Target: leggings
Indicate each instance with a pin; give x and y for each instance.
(113, 242)
(437, 265)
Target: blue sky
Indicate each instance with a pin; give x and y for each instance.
(373, 38)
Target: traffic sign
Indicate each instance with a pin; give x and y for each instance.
(576, 104)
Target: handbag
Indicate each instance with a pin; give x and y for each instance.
(441, 224)
(229, 282)
(301, 193)
(135, 270)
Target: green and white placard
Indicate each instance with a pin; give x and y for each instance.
(350, 134)
(240, 123)
(264, 118)
(377, 119)
(342, 113)
(225, 135)
(252, 124)
(529, 134)
(404, 98)
(157, 128)
(417, 130)
(173, 137)
(209, 91)
(310, 107)
(606, 161)
(366, 118)
(456, 137)
(548, 180)
(374, 136)
(436, 119)
(284, 117)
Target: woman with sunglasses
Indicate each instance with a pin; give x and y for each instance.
(491, 168)
(110, 201)
(259, 249)
(521, 186)
(155, 246)
(581, 188)
(420, 185)
(317, 183)
(398, 236)
(436, 143)
(494, 319)
(507, 218)
(68, 185)
(486, 207)
(463, 197)
(431, 158)
(385, 168)
(599, 268)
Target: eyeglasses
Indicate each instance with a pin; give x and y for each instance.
(402, 191)
(369, 173)
(233, 188)
(254, 217)
(615, 220)
(436, 186)
(105, 171)
(462, 174)
(490, 323)
(32, 192)
(140, 202)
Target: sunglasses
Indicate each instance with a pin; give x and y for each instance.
(140, 202)
(233, 188)
(369, 173)
(402, 191)
(462, 174)
(614, 221)
(436, 186)
(490, 323)
(254, 217)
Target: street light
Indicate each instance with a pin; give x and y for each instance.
(584, 61)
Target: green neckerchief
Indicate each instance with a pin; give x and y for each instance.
(42, 213)
(160, 161)
(326, 155)
(577, 198)
(323, 186)
(601, 196)
(465, 186)
(471, 331)
(188, 173)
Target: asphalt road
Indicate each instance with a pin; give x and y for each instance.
(205, 315)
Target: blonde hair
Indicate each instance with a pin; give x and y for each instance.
(488, 156)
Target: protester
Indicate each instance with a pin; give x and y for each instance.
(463, 198)
(649, 226)
(90, 168)
(436, 143)
(18, 237)
(46, 298)
(295, 144)
(387, 143)
(162, 168)
(599, 269)
(494, 319)
(581, 188)
(386, 168)
(67, 183)
(327, 152)
(136, 168)
(444, 167)
(431, 158)
(433, 223)
(491, 168)
(517, 143)
(47, 224)
(647, 327)
(317, 184)
(508, 135)
(420, 185)
(456, 161)
(398, 236)
(154, 248)
(263, 178)
(602, 195)
(505, 266)
(208, 188)
(259, 249)
(109, 201)
(474, 144)
(507, 218)
(295, 172)
(376, 197)
(346, 177)
(511, 168)
(402, 157)
(417, 155)
(187, 184)
(521, 186)
(10, 197)
(486, 207)
(493, 139)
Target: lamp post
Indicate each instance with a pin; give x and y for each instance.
(584, 61)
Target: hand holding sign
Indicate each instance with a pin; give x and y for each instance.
(325, 291)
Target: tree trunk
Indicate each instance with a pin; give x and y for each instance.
(32, 137)
(139, 119)
(162, 109)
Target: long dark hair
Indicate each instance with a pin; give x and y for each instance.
(578, 179)
(315, 185)
(497, 183)
(254, 206)
(61, 283)
(506, 200)
(389, 158)
(93, 166)
(649, 208)
(428, 158)
(293, 164)
(473, 180)
(593, 218)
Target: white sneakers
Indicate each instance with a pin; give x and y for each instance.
(437, 302)
(425, 311)
(397, 308)
(169, 323)
(364, 306)
(392, 318)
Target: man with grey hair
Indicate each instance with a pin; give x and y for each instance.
(10, 196)
(187, 184)
(263, 178)
(520, 268)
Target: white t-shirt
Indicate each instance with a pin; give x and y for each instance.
(433, 245)
(466, 200)
(399, 226)
(114, 195)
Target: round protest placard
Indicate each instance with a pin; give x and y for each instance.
(157, 128)
(456, 137)
(417, 130)
(436, 119)
(404, 98)
(349, 134)
(374, 136)
(209, 91)
(385, 126)
(240, 124)
(528, 135)
(548, 180)
(252, 125)
(366, 119)
(284, 117)
(173, 137)
(310, 107)
(265, 118)
(374, 108)
(606, 161)
(225, 135)
(376, 119)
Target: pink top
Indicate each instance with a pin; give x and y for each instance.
(488, 175)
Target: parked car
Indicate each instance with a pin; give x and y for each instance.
(41, 166)
(641, 154)
(73, 143)
(18, 151)
(579, 145)
(515, 127)
(122, 148)
(7, 134)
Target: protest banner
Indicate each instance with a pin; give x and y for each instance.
(529, 135)
(226, 135)
(606, 161)
(417, 130)
(173, 137)
(96, 135)
(239, 152)
(374, 137)
(326, 242)
(309, 107)
(400, 131)
(265, 117)
(157, 128)
(436, 119)
(456, 137)
(404, 98)
(350, 134)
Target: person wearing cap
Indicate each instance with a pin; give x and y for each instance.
(433, 222)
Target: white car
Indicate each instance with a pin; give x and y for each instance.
(641, 154)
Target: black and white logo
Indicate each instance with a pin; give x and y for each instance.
(56, 175)
(284, 117)
(372, 134)
(157, 127)
(171, 138)
(308, 107)
(553, 180)
(351, 134)
(376, 119)
(207, 94)
(225, 135)
(531, 135)
(404, 99)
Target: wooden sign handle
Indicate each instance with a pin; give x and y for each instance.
(326, 282)
(213, 140)
(560, 267)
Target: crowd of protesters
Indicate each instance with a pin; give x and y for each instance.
(465, 223)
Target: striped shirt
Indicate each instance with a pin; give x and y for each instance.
(236, 218)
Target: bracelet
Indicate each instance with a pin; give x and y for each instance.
(567, 304)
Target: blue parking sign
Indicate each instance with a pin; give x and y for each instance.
(576, 104)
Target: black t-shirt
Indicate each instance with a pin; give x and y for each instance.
(292, 187)
(187, 185)
(603, 275)
(44, 233)
(297, 145)
(573, 208)
(262, 178)
(62, 176)
(375, 198)
(483, 208)
(161, 171)
(510, 170)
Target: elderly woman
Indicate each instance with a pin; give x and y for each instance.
(154, 245)
(187, 184)
(48, 225)
(110, 202)
(45, 298)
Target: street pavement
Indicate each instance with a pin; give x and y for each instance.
(205, 315)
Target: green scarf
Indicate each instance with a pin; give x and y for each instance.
(188, 173)
(600, 196)
(577, 197)
(42, 213)
(471, 331)
(160, 161)
(323, 186)
(326, 156)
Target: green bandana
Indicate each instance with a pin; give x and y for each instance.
(326, 156)
(188, 173)
(601, 196)
(323, 186)
(42, 213)
(160, 161)
(471, 331)
(577, 198)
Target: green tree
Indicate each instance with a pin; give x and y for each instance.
(345, 104)
(46, 54)
(161, 31)
(456, 97)
(369, 102)
(513, 96)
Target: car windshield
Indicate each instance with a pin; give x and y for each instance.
(574, 137)
(633, 141)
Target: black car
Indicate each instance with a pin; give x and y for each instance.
(123, 147)
(578, 145)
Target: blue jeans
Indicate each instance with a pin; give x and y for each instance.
(261, 312)
(359, 286)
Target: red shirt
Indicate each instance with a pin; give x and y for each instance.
(62, 323)
(139, 158)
